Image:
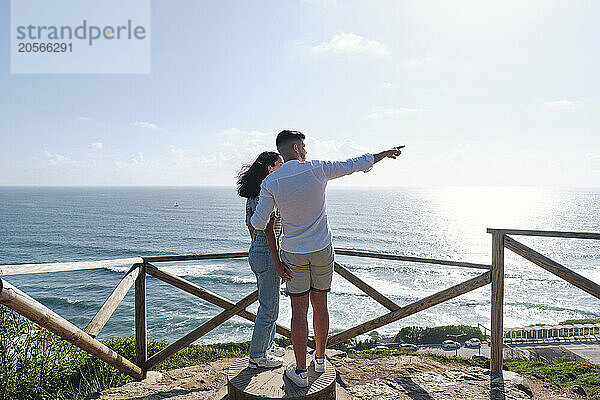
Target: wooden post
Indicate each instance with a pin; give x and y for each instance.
(497, 300)
(31, 309)
(141, 332)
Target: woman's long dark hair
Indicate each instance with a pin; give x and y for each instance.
(252, 175)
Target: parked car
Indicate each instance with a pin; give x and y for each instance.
(473, 342)
(450, 344)
(408, 347)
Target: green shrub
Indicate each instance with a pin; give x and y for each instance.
(580, 321)
(355, 345)
(36, 364)
(283, 341)
(436, 335)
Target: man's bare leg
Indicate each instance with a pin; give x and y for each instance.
(299, 329)
(320, 321)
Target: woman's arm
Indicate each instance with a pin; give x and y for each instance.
(248, 216)
(282, 270)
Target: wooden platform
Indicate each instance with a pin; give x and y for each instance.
(248, 383)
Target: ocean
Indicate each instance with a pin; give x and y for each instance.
(43, 224)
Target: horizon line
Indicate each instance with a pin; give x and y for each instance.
(562, 186)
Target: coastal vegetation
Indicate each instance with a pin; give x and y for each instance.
(562, 372)
(437, 334)
(36, 364)
(580, 321)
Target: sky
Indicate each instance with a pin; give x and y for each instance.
(481, 93)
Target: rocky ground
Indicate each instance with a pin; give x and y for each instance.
(410, 377)
(420, 378)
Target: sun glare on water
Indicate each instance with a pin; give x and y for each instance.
(478, 208)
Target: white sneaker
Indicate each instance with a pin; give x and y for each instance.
(300, 380)
(319, 364)
(276, 351)
(268, 361)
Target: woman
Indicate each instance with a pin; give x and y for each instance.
(262, 256)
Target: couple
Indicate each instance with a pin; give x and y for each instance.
(287, 193)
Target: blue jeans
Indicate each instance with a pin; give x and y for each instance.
(268, 283)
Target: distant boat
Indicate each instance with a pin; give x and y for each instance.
(176, 204)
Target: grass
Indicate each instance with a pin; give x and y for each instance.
(561, 373)
(198, 354)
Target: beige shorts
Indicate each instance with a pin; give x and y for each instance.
(310, 271)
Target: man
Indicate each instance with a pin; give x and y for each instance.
(297, 188)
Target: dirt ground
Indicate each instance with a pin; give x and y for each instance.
(421, 374)
(411, 377)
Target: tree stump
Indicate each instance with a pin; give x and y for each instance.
(244, 383)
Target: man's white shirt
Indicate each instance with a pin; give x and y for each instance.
(297, 189)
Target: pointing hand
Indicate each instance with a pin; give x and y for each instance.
(394, 152)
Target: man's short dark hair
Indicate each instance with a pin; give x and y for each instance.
(284, 137)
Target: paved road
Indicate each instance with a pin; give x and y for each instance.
(462, 352)
(588, 351)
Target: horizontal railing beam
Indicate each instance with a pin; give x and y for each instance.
(194, 257)
(552, 266)
(554, 234)
(342, 252)
(384, 256)
(19, 269)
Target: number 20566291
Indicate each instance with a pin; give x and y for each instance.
(45, 47)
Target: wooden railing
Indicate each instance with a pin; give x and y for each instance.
(143, 266)
(502, 240)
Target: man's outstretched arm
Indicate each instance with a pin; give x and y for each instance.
(337, 169)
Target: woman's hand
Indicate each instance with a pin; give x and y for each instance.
(283, 271)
